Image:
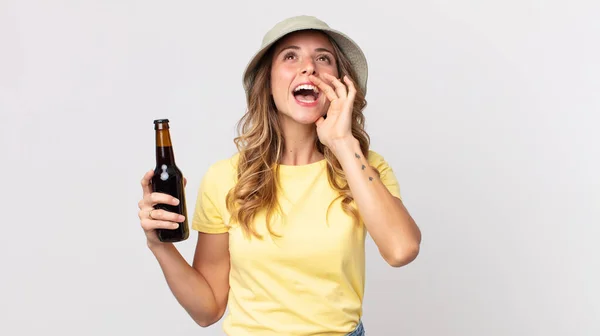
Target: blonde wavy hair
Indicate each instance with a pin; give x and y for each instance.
(260, 145)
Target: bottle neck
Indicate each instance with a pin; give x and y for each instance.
(164, 149)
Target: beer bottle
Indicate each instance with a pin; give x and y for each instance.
(168, 179)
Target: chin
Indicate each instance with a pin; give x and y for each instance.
(302, 113)
(305, 117)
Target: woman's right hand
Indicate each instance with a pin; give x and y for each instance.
(151, 218)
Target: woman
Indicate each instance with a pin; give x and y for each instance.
(282, 223)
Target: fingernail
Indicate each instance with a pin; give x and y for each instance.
(175, 201)
(175, 225)
(181, 218)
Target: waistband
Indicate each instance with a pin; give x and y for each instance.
(359, 331)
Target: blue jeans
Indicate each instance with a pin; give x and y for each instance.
(359, 331)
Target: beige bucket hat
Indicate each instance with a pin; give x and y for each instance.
(303, 22)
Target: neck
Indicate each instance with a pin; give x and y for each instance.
(300, 144)
(164, 149)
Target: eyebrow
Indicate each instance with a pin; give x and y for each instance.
(298, 48)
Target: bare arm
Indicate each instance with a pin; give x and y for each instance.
(201, 289)
(390, 225)
(211, 260)
(386, 219)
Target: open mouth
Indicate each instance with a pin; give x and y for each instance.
(306, 93)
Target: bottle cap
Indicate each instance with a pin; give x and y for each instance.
(161, 124)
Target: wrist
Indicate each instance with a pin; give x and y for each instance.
(156, 247)
(343, 147)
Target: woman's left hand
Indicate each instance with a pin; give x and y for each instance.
(338, 124)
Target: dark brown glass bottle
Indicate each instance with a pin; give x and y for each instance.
(168, 179)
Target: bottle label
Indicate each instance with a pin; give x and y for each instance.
(164, 175)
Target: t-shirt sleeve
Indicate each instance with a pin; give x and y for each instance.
(208, 215)
(387, 176)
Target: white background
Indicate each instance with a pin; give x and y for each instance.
(487, 110)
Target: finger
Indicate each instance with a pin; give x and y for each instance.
(324, 88)
(146, 187)
(351, 89)
(163, 215)
(149, 224)
(340, 88)
(184, 181)
(155, 198)
(319, 121)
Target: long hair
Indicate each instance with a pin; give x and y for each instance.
(260, 146)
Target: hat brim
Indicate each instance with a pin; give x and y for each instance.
(350, 49)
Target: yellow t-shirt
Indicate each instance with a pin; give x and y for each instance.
(308, 282)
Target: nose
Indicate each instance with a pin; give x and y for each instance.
(308, 68)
